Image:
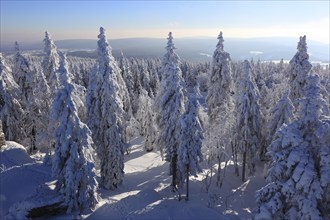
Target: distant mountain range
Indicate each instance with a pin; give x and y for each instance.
(191, 49)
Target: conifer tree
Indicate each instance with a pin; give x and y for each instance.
(73, 158)
(106, 115)
(170, 107)
(299, 176)
(281, 113)
(299, 68)
(11, 112)
(220, 107)
(50, 63)
(190, 138)
(23, 76)
(249, 120)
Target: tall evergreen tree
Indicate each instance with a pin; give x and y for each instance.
(11, 112)
(170, 107)
(23, 76)
(73, 158)
(299, 176)
(105, 115)
(281, 113)
(190, 138)
(50, 63)
(39, 108)
(249, 120)
(220, 107)
(298, 70)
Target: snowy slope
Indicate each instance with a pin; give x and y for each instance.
(145, 193)
(20, 175)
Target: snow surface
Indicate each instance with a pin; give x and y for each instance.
(144, 194)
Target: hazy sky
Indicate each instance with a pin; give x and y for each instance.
(28, 20)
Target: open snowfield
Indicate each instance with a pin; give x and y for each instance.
(145, 193)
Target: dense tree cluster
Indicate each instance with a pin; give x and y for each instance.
(83, 112)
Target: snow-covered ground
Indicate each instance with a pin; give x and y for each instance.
(145, 193)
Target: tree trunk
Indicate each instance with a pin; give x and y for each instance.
(244, 162)
(33, 140)
(219, 171)
(174, 171)
(234, 152)
(187, 183)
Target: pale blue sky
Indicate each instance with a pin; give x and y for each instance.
(27, 20)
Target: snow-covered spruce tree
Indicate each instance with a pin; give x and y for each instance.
(281, 113)
(39, 108)
(299, 68)
(170, 107)
(106, 62)
(190, 139)
(147, 122)
(220, 107)
(219, 94)
(299, 176)
(248, 138)
(126, 73)
(73, 158)
(23, 76)
(50, 63)
(105, 115)
(11, 112)
(154, 78)
(191, 82)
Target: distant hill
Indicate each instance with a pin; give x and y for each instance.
(191, 49)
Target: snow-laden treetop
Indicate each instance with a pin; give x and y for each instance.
(220, 42)
(170, 45)
(301, 57)
(49, 43)
(171, 60)
(104, 50)
(312, 106)
(302, 45)
(17, 47)
(63, 70)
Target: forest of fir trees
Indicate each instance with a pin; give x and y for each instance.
(81, 113)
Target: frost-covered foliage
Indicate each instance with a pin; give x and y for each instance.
(190, 139)
(220, 106)
(170, 106)
(127, 76)
(73, 158)
(50, 62)
(23, 76)
(11, 111)
(248, 140)
(105, 115)
(147, 122)
(281, 113)
(298, 70)
(191, 81)
(299, 176)
(107, 64)
(219, 94)
(38, 110)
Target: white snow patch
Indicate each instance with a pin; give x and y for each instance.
(256, 53)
